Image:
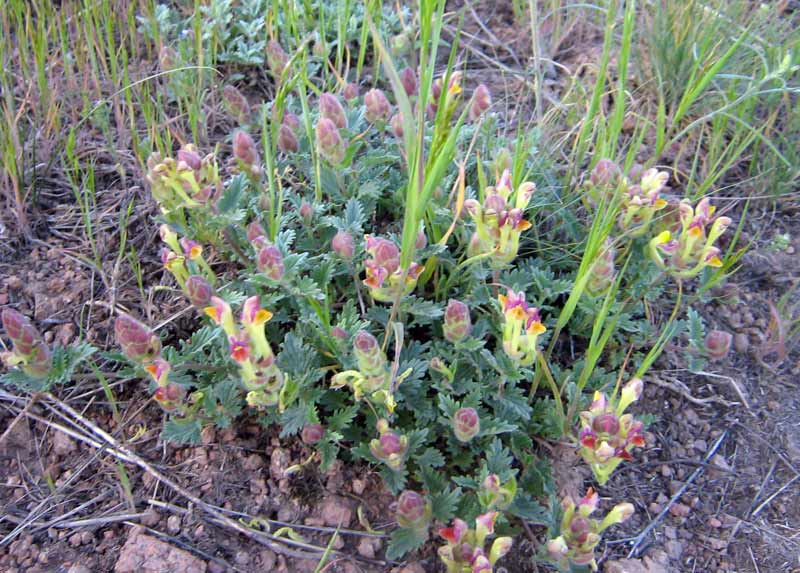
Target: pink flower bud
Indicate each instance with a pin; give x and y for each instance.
(378, 107)
(277, 58)
(605, 173)
(270, 262)
(136, 340)
(397, 124)
(235, 102)
(329, 142)
(481, 102)
(312, 433)
(188, 154)
(412, 510)
(457, 322)
(466, 424)
(409, 80)
(390, 443)
(718, 344)
(370, 357)
(287, 140)
(21, 331)
(339, 332)
(199, 291)
(350, 91)
(330, 108)
(343, 244)
(421, 240)
(244, 148)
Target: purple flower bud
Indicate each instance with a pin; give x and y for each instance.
(350, 91)
(412, 510)
(270, 262)
(421, 240)
(370, 357)
(329, 142)
(718, 344)
(254, 231)
(244, 148)
(481, 102)
(188, 154)
(605, 173)
(466, 424)
(312, 433)
(457, 322)
(21, 331)
(136, 340)
(409, 80)
(330, 108)
(235, 102)
(199, 291)
(339, 332)
(277, 58)
(287, 140)
(378, 107)
(390, 443)
(291, 121)
(343, 244)
(397, 124)
(306, 212)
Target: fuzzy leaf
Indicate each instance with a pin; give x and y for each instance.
(404, 540)
(182, 431)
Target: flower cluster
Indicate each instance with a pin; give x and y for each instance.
(466, 424)
(332, 118)
(389, 447)
(184, 259)
(499, 222)
(188, 180)
(386, 279)
(607, 434)
(457, 323)
(413, 511)
(580, 533)
(142, 347)
(685, 255)
(29, 350)
(640, 200)
(496, 495)
(602, 272)
(373, 377)
(522, 326)
(465, 552)
(245, 155)
(249, 347)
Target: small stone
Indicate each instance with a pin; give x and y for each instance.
(267, 560)
(654, 508)
(75, 539)
(666, 471)
(367, 547)
(670, 532)
(150, 518)
(675, 486)
(86, 537)
(214, 567)
(411, 568)
(359, 485)
(242, 558)
(740, 342)
(174, 524)
(674, 549)
(278, 462)
(714, 522)
(680, 510)
(625, 566)
(700, 445)
(145, 554)
(336, 512)
(78, 568)
(253, 462)
(63, 445)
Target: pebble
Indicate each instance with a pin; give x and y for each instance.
(174, 524)
(740, 342)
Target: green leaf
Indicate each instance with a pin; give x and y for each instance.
(233, 194)
(293, 420)
(404, 540)
(431, 457)
(527, 508)
(182, 430)
(444, 504)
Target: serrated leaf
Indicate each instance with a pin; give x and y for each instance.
(404, 540)
(530, 510)
(444, 504)
(395, 481)
(327, 453)
(233, 194)
(293, 420)
(342, 418)
(182, 431)
(431, 457)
